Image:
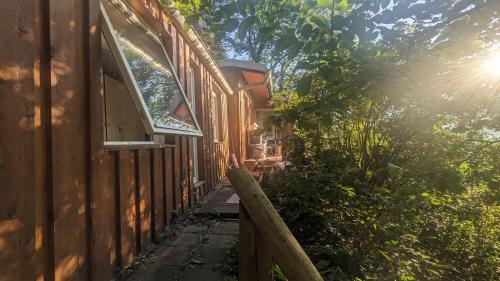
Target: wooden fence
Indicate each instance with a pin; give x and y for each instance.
(137, 190)
(265, 238)
(72, 207)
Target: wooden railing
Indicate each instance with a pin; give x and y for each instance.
(264, 236)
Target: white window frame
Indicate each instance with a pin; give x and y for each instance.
(131, 83)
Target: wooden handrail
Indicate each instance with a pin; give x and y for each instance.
(271, 228)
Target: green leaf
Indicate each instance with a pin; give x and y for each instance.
(343, 5)
(197, 261)
(229, 10)
(219, 35)
(317, 47)
(338, 22)
(294, 51)
(186, 26)
(266, 29)
(264, 37)
(315, 33)
(385, 255)
(322, 264)
(309, 4)
(369, 173)
(231, 40)
(244, 26)
(230, 25)
(393, 170)
(284, 42)
(306, 31)
(304, 65)
(325, 3)
(304, 85)
(320, 21)
(435, 201)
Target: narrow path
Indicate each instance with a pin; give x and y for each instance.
(195, 246)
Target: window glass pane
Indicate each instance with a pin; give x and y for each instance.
(151, 69)
(122, 121)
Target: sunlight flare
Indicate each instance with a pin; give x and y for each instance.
(491, 65)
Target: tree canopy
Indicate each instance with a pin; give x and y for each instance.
(393, 113)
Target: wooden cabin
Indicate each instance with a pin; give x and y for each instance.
(113, 118)
(248, 109)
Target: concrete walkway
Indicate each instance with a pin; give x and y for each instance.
(196, 245)
(221, 202)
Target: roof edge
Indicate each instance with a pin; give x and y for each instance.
(253, 66)
(198, 44)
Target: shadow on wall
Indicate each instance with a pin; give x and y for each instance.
(22, 151)
(17, 170)
(45, 221)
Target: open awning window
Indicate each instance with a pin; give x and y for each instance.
(147, 72)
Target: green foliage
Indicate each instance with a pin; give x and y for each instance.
(394, 153)
(388, 232)
(395, 149)
(280, 33)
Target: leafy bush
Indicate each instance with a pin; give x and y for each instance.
(393, 131)
(389, 234)
(420, 205)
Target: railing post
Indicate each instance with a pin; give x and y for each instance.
(287, 251)
(264, 258)
(256, 262)
(248, 261)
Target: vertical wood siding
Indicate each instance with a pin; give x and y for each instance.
(17, 141)
(70, 138)
(72, 209)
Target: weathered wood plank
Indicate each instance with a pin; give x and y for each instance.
(104, 213)
(137, 200)
(44, 239)
(127, 207)
(181, 71)
(208, 136)
(157, 192)
(17, 147)
(173, 33)
(193, 197)
(169, 184)
(96, 78)
(76, 71)
(177, 175)
(264, 258)
(288, 253)
(145, 198)
(200, 108)
(187, 66)
(185, 173)
(234, 121)
(104, 255)
(248, 261)
(198, 100)
(163, 169)
(70, 138)
(212, 117)
(149, 11)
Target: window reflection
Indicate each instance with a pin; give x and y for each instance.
(151, 69)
